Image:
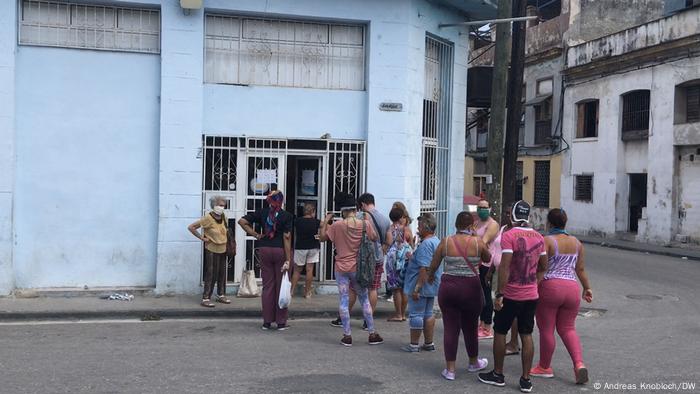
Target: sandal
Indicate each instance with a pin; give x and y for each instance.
(223, 300)
(510, 352)
(394, 319)
(207, 303)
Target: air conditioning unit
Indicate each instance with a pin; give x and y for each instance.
(191, 4)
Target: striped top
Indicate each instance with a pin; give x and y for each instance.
(562, 266)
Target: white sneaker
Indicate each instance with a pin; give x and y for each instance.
(481, 363)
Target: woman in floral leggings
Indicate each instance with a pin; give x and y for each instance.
(346, 235)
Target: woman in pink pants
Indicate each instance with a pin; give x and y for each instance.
(559, 297)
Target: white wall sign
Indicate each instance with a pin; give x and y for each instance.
(392, 107)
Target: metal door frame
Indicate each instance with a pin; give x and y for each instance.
(245, 147)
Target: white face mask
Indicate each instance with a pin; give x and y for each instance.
(218, 210)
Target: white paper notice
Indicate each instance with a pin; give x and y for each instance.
(308, 177)
(266, 176)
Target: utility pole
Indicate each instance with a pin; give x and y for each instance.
(497, 121)
(515, 90)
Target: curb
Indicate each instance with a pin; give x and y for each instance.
(154, 315)
(669, 253)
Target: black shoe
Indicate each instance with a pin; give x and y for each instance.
(364, 326)
(282, 327)
(337, 323)
(525, 385)
(266, 326)
(493, 378)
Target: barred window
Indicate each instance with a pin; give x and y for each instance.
(542, 184)
(54, 24)
(583, 188)
(692, 104)
(276, 52)
(635, 115)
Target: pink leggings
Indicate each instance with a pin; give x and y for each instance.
(558, 306)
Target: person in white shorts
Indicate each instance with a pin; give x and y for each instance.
(307, 247)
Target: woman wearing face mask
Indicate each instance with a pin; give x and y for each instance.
(487, 230)
(214, 238)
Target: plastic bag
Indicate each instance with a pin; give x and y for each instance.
(285, 292)
(249, 285)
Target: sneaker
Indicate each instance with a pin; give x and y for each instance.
(266, 326)
(448, 375)
(428, 347)
(364, 325)
(485, 333)
(337, 323)
(542, 372)
(481, 363)
(581, 373)
(492, 378)
(346, 340)
(525, 385)
(375, 339)
(411, 348)
(282, 327)
(390, 299)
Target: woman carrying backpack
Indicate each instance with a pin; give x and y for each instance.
(347, 237)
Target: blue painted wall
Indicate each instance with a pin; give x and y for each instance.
(87, 162)
(108, 176)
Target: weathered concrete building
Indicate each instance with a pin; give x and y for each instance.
(632, 116)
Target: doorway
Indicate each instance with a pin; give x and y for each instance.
(637, 199)
(244, 169)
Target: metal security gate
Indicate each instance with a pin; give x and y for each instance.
(437, 125)
(244, 169)
(347, 175)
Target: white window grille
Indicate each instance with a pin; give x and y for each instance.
(57, 24)
(437, 99)
(275, 52)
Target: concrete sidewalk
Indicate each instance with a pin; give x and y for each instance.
(149, 307)
(681, 250)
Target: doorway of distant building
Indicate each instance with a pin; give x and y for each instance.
(637, 199)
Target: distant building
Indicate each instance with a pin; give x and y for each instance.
(632, 116)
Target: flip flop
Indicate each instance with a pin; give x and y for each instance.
(394, 319)
(512, 352)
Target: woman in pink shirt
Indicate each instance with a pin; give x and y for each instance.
(346, 235)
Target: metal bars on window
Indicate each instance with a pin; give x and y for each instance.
(437, 122)
(542, 183)
(276, 52)
(692, 104)
(58, 24)
(583, 188)
(635, 115)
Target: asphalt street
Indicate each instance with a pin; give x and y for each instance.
(643, 332)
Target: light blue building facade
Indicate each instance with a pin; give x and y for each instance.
(118, 120)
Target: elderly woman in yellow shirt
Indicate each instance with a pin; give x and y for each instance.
(215, 235)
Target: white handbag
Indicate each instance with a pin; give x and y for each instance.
(249, 285)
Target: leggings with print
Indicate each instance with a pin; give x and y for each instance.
(345, 280)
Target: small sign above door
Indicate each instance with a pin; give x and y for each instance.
(391, 107)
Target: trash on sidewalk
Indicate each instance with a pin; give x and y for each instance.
(118, 297)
